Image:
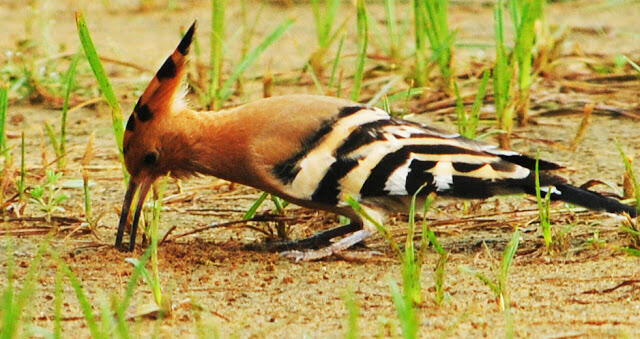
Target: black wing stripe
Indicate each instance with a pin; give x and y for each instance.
(363, 135)
(349, 110)
(528, 162)
(328, 189)
(466, 167)
(287, 170)
(374, 185)
(418, 176)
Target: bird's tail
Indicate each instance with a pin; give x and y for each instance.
(580, 196)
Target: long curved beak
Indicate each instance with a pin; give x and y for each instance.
(143, 189)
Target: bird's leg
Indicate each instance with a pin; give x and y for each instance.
(318, 240)
(328, 251)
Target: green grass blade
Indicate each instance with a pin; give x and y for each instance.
(507, 258)
(7, 311)
(156, 289)
(69, 77)
(105, 87)
(336, 60)
(21, 183)
(256, 204)
(14, 304)
(477, 104)
(405, 311)
(461, 115)
(420, 43)
(363, 38)
(87, 312)
(51, 135)
(217, 52)
(121, 325)
(543, 207)
(315, 80)
(392, 30)
(57, 305)
(483, 278)
(353, 312)
(3, 116)
(385, 233)
(633, 64)
(629, 169)
(225, 90)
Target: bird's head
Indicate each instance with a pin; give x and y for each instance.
(151, 138)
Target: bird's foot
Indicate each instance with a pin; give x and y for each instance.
(325, 252)
(317, 241)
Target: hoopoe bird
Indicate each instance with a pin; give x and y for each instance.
(312, 150)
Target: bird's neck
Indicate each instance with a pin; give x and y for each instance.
(216, 143)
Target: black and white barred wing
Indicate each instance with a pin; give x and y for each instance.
(366, 153)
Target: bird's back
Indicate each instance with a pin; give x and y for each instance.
(315, 149)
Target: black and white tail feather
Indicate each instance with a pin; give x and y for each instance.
(376, 159)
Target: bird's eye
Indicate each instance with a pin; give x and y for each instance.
(150, 158)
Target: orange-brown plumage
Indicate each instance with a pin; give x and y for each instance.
(311, 150)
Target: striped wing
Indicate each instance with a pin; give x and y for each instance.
(365, 153)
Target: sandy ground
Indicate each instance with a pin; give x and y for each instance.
(584, 290)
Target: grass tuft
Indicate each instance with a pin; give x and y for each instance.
(524, 14)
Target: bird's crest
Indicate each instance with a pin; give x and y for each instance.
(161, 93)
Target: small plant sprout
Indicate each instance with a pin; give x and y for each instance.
(48, 196)
(499, 284)
(543, 207)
